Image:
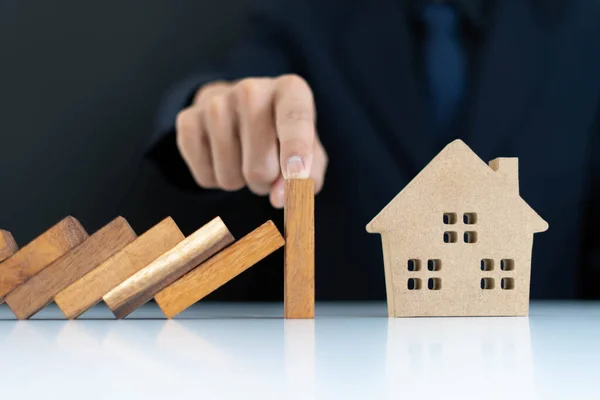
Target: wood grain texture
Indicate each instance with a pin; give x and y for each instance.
(144, 284)
(88, 291)
(39, 291)
(299, 268)
(8, 246)
(40, 253)
(219, 269)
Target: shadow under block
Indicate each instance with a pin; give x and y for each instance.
(299, 231)
(40, 253)
(189, 253)
(40, 290)
(219, 269)
(88, 291)
(8, 246)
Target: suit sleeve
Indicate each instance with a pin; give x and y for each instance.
(164, 185)
(591, 263)
(265, 51)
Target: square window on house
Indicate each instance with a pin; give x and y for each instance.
(487, 264)
(470, 237)
(434, 284)
(414, 284)
(414, 265)
(507, 264)
(507, 283)
(469, 218)
(450, 237)
(434, 265)
(450, 218)
(487, 283)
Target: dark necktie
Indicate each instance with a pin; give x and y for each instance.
(445, 69)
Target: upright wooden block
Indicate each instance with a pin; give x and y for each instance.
(144, 284)
(39, 291)
(220, 269)
(8, 246)
(40, 253)
(88, 291)
(299, 269)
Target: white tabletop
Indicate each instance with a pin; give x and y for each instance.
(350, 351)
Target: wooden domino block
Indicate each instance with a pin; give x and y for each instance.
(144, 284)
(219, 269)
(88, 291)
(8, 246)
(40, 253)
(299, 231)
(40, 290)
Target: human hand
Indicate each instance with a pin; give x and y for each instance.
(252, 133)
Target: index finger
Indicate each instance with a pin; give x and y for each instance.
(295, 125)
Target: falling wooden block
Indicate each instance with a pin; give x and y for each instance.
(8, 246)
(457, 240)
(39, 291)
(299, 269)
(219, 269)
(144, 284)
(40, 253)
(88, 291)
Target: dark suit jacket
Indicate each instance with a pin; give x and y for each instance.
(534, 96)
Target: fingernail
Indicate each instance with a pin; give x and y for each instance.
(295, 168)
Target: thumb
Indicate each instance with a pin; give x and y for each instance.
(295, 126)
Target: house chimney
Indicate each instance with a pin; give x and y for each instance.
(508, 171)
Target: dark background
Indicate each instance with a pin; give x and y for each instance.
(80, 85)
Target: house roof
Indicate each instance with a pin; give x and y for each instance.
(456, 151)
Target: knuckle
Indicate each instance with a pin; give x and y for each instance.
(202, 96)
(295, 146)
(217, 108)
(210, 90)
(247, 92)
(184, 122)
(294, 82)
(186, 132)
(298, 114)
(296, 129)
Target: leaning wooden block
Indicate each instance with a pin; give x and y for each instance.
(219, 269)
(299, 268)
(8, 246)
(144, 284)
(40, 253)
(88, 291)
(39, 291)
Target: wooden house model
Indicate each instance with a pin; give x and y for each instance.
(458, 239)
